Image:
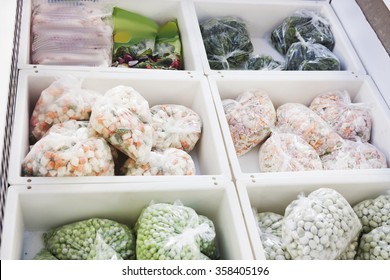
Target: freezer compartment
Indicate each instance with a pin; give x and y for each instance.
(261, 18)
(300, 90)
(269, 196)
(27, 215)
(209, 156)
(160, 12)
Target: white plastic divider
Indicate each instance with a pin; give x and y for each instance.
(32, 210)
(300, 89)
(261, 18)
(191, 91)
(272, 196)
(157, 10)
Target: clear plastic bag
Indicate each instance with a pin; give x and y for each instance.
(175, 126)
(375, 245)
(354, 155)
(92, 239)
(250, 118)
(319, 226)
(171, 161)
(71, 33)
(298, 119)
(307, 56)
(63, 100)
(269, 222)
(174, 232)
(351, 121)
(274, 248)
(263, 63)
(123, 118)
(373, 213)
(44, 255)
(309, 25)
(227, 43)
(69, 149)
(283, 152)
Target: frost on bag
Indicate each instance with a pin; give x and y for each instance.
(374, 213)
(175, 126)
(71, 32)
(307, 56)
(287, 152)
(354, 155)
(263, 63)
(168, 162)
(319, 226)
(174, 232)
(309, 25)
(92, 239)
(250, 118)
(63, 100)
(350, 120)
(375, 245)
(227, 42)
(69, 149)
(299, 119)
(123, 118)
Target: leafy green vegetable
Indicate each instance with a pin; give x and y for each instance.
(134, 35)
(91, 239)
(174, 232)
(311, 57)
(227, 42)
(311, 26)
(263, 62)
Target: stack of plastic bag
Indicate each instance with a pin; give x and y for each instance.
(71, 33)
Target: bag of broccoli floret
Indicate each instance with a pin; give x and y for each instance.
(227, 43)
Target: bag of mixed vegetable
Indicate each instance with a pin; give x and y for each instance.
(227, 43)
(69, 149)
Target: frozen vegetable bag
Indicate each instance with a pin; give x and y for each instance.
(77, 32)
(69, 149)
(63, 100)
(122, 117)
(134, 37)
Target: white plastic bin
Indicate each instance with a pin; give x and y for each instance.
(269, 196)
(302, 90)
(191, 91)
(261, 18)
(157, 10)
(32, 210)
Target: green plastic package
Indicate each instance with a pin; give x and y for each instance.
(134, 36)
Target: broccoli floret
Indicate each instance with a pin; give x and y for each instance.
(174, 232)
(91, 239)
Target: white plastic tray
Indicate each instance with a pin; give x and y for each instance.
(261, 18)
(191, 91)
(268, 196)
(32, 210)
(300, 89)
(154, 9)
